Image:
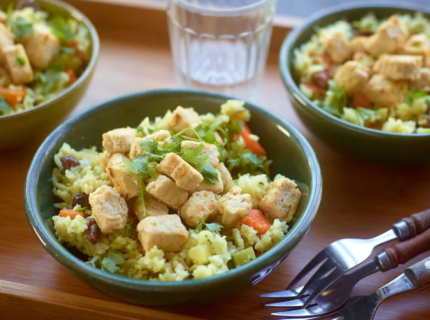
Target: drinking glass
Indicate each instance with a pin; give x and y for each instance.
(221, 45)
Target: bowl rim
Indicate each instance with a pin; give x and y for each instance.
(95, 41)
(60, 252)
(286, 54)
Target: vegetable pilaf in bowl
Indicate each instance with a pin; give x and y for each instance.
(48, 51)
(359, 76)
(193, 202)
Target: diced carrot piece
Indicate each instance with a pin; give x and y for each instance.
(13, 96)
(257, 221)
(70, 213)
(72, 76)
(251, 144)
(360, 100)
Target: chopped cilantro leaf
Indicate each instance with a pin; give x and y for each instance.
(62, 28)
(81, 209)
(210, 174)
(196, 157)
(4, 106)
(20, 61)
(412, 96)
(68, 50)
(213, 227)
(50, 77)
(130, 231)
(247, 161)
(21, 27)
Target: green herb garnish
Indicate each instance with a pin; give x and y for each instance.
(4, 106)
(20, 61)
(129, 230)
(412, 96)
(82, 209)
(200, 161)
(62, 28)
(214, 227)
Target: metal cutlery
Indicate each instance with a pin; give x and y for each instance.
(415, 278)
(338, 293)
(343, 255)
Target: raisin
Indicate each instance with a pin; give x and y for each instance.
(93, 231)
(362, 33)
(69, 162)
(82, 200)
(320, 79)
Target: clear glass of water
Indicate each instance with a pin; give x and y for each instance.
(221, 45)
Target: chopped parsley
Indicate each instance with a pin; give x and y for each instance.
(62, 28)
(50, 78)
(4, 106)
(214, 227)
(200, 161)
(20, 60)
(247, 161)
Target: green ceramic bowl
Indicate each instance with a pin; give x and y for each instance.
(292, 155)
(341, 135)
(15, 129)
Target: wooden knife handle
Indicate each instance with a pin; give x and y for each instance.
(419, 274)
(402, 252)
(418, 222)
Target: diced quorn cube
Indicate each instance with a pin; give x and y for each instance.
(399, 67)
(215, 188)
(337, 46)
(198, 205)
(125, 182)
(233, 206)
(104, 159)
(423, 83)
(109, 209)
(18, 65)
(390, 36)
(42, 46)
(167, 192)
(210, 149)
(184, 118)
(119, 140)
(225, 174)
(385, 92)
(136, 148)
(281, 200)
(185, 176)
(352, 76)
(153, 207)
(166, 232)
(115, 159)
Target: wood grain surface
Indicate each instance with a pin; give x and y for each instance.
(360, 199)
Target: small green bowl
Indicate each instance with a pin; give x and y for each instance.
(292, 155)
(18, 128)
(341, 135)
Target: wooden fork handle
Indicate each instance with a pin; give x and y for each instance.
(402, 252)
(418, 222)
(419, 274)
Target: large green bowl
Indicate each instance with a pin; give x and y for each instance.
(292, 155)
(341, 135)
(18, 128)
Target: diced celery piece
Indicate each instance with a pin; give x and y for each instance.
(243, 257)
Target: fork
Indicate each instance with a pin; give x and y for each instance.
(415, 278)
(338, 293)
(343, 255)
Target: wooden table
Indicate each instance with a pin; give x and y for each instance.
(360, 199)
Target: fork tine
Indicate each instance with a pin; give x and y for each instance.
(298, 303)
(322, 285)
(321, 256)
(304, 314)
(308, 313)
(289, 294)
(324, 269)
